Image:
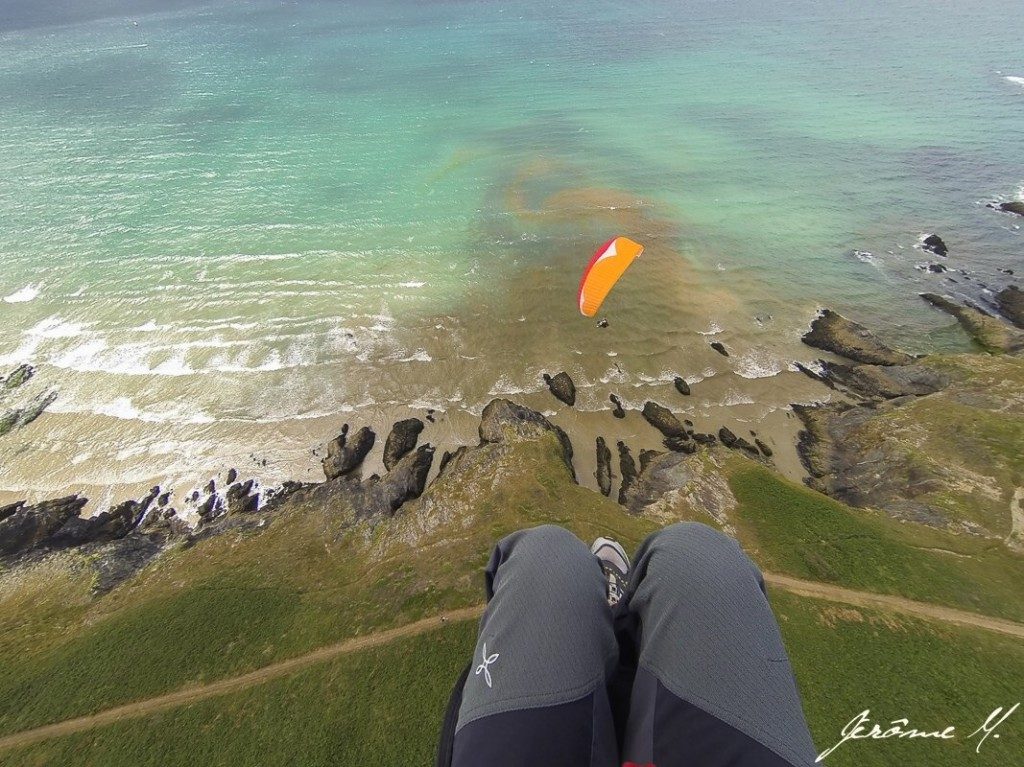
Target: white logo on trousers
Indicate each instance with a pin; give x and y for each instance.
(484, 667)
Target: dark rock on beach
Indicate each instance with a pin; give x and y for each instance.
(562, 387)
(618, 411)
(1010, 301)
(23, 527)
(719, 347)
(834, 333)
(627, 470)
(232, 476)
(934, 244)
(726, 436)
(604, 467)
(681, 386)
(664, 420)
(344, 455)
(680, 444)
(763, 447)
(401, 440)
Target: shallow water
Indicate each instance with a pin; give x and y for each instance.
(230, 227)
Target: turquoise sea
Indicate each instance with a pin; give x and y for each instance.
(223, 224)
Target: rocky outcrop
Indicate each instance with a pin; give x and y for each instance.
(681, 386)
(673, 486)
(763, 447)
(719, 347)
(627, 470)
(886, 381)
(383, 496)
(934, 244)
(503, 420)
(24, 527)
(603, 474)
(562, 387)
(241, 499)
(1010, 301)
(993, 335)
(834, 333)
(345, 455)
(947, 457)
(402, 439)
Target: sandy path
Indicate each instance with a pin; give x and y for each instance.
(284, 668)
(898, 604)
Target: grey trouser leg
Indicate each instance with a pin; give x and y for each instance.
(535, 694)
(714, 685)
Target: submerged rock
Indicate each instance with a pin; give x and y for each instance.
(402, 439)
(763, 447)
(1014, 206)
(618, 411)
(719, 347)
(990, 333)
(562, 387)
(17, 377)
(344, 455)
(934, 244)
(681, 386)
(664, 420)
(834, 333)
(19, 417)
(603, 474)
(1010, 301)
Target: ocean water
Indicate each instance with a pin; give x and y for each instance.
(226, 227)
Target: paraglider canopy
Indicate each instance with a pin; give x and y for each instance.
(606, 267)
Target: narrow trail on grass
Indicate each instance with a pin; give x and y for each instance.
(899, 604)
(284, 668)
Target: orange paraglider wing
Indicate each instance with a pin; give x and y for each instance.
(608, 264)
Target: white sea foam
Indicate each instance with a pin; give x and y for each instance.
(758, 364)
(420, 355)
(1015, 80)
(411, 284)
(713, 330)
(27, 293)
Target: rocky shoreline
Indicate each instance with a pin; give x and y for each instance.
(871, 445)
